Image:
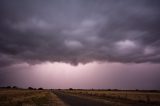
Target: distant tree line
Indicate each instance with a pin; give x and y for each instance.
(9, 87)
(15, 87)
(30, 88)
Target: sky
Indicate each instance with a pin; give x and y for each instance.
(86, 44)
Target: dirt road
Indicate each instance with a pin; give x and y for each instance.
(73, 100)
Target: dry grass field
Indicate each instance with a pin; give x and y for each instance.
(146, 97)
(19, 97)
(74, 97)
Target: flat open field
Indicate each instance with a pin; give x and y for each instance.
(24, 97)
(111, 98)
(17, 97)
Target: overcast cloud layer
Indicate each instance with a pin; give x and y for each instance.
(79, 31)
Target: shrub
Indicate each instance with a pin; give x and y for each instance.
(40, 88)
(70, 88)
(30, 88)
(8, 87)
(15, 87)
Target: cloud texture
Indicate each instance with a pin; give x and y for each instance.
(79, 31)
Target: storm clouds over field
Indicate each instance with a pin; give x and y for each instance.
(76, 32)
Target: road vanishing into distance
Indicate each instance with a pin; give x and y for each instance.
(73, 100)
(70, 99)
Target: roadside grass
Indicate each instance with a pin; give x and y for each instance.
(127, 96)
(17, 97)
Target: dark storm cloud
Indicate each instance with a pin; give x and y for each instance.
(76, 31)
